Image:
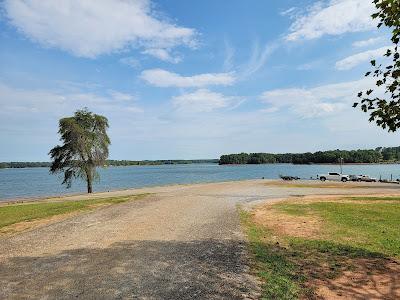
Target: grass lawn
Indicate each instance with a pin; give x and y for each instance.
(16, 213)
(356, 234)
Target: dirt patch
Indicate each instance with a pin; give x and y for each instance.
(284, 224)
(371, 279)
(330, 275)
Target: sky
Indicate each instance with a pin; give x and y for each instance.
(189, 79)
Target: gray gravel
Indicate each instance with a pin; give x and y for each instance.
(182, 242)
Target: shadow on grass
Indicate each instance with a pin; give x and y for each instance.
(298, 268)
(205, 269)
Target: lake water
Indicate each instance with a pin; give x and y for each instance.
(37, 182)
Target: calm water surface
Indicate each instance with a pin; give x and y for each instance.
(37, 182)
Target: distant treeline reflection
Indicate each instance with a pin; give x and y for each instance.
(112, 163)
(378, 155)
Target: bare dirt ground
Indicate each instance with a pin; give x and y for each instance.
(180, 242)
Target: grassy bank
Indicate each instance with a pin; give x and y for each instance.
(355, 242)
(17, 213)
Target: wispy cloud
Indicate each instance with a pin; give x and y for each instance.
(163, 54)
(204, 100)
(368, 42)
(354, 60)
(309, 66)
(258, 58)
(49, 102)
(229, 54)
(334, 17)
(289, 12)
(130, 61)
(163, 78)
(317, 101)
(92, 28)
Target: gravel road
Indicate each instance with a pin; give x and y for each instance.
(180, 242)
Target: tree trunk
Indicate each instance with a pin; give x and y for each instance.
(89, 187)
(89, 179)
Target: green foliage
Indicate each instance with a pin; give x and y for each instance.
(116, 163)
(385, 109)
(373, 226)
(158, 162)
(24, 164)
(85, 147)
(3, 165)
(287, 265)
(378, 155)
(16, 213)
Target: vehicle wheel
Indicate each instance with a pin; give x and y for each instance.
(344, 179)
(322, 178)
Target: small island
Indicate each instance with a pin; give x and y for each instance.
(371, 156)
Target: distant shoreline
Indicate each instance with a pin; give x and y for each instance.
(315, 164)
(113, 163)
(216, 163)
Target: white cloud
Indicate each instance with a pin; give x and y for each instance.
(130, 61)
(163, 78)
(315, 102)
(163, 54)
(92, 28)
(29, 117)
(39, 102)
(257, 59)
(368, 42)
(115, 95)
(289, 12)
(333, 18)
(203, 100)
(229, 54)
(356, 59)
(310, 65)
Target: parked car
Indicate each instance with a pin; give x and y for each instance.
(334, 176)
(353, 177)
(365, 178)
(289, 178)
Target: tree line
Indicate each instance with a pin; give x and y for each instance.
(20, 164)
(378, 155)
(159, 162)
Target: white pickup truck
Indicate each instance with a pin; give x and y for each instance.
(334, 176)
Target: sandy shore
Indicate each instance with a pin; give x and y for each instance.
(180, 242)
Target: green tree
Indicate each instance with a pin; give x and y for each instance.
(385, 110)
(85, 147)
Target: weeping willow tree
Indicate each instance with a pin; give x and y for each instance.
(85, 147)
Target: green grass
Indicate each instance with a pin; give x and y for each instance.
(16, 213)
(272, 266)
(389, 198)
(372, 226)
(288, 265)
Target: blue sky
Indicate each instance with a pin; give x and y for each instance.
(188, 79)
